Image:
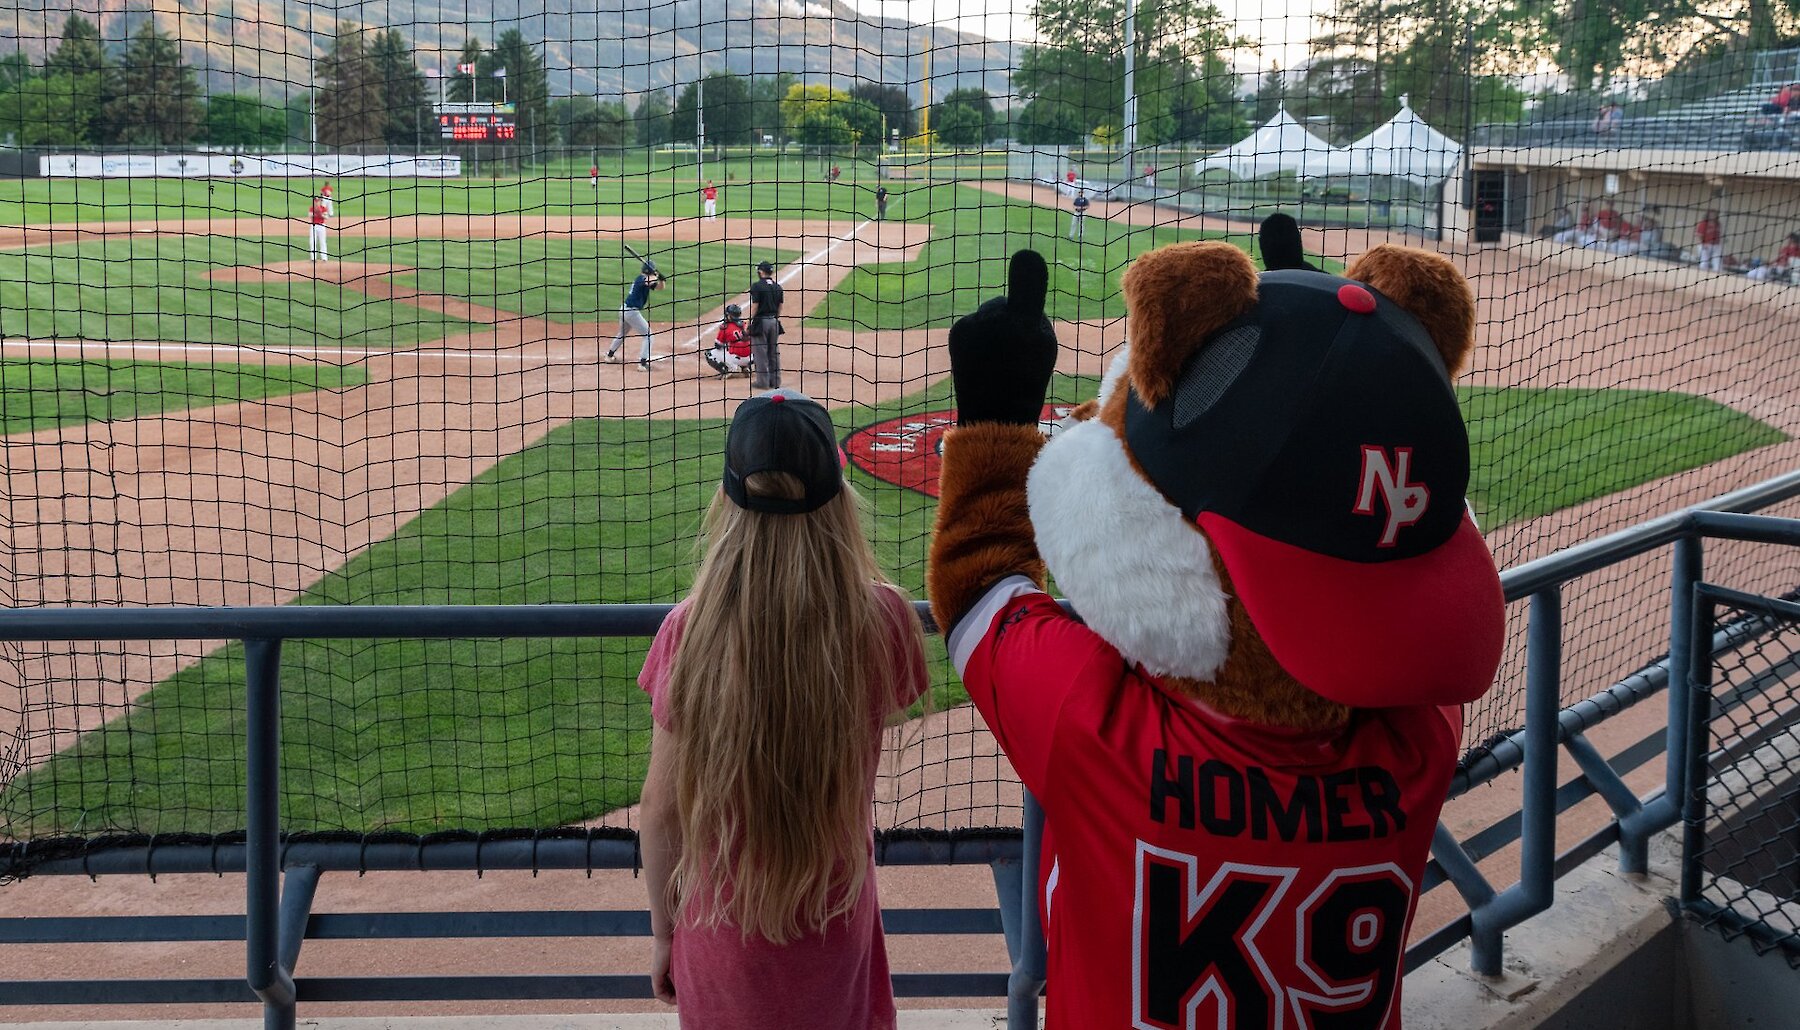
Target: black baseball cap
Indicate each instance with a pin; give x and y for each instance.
(1317, 442)
(783, 431)
(765, 266)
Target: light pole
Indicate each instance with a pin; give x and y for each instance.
(1128, 136)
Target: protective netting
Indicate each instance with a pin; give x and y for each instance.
(1742, 843)
(199, 408)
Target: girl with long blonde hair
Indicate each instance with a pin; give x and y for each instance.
(769, 687)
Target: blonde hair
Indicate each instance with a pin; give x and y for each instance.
(772, 698)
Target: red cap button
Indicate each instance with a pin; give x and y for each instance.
(1356, 298)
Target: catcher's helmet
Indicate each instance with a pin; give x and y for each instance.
(733, 311)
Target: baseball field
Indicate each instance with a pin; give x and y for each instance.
(193, 413)
(426, 419)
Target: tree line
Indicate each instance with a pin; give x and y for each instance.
(1458, 60)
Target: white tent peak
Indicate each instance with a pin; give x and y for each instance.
(1280, 145)
(1406, 147)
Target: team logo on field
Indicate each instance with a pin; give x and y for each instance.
(906, 451)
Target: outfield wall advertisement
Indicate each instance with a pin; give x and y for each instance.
(248, 166)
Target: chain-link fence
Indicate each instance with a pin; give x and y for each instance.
(1742, 862)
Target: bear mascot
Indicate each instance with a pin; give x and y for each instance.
(1242, 738)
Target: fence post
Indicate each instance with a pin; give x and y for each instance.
(1537, 825)
(1699, 708)
(1027, 980)
(262, 834)
(1685, 649)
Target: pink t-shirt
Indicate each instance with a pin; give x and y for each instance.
(836, 980)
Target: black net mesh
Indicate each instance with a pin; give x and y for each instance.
(208, 401)
(1747, 836)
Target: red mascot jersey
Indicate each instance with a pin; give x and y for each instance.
(1202, 871)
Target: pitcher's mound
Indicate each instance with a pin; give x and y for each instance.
(320, 271)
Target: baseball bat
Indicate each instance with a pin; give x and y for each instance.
(629, 249)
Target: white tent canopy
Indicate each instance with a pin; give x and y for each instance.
(1281, 145)
(1405, 147)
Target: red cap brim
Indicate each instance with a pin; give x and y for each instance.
(1423, 630)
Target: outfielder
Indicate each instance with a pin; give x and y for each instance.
(711, 194)
(631, 314)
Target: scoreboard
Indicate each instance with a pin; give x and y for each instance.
(477, 123)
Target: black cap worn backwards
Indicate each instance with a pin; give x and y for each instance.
(1289, 417)
(784, 431)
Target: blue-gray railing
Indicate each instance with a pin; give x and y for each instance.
(1731, 131)
(278, 921)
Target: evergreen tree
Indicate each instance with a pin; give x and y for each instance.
(158, 101)
(405, 96)
(652, 124)
(351, 106)
(80, 52)
(527, 83)
(15, 68)
(462, 84)
(1271, 93)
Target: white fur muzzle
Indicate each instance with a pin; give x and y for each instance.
(1137, 572)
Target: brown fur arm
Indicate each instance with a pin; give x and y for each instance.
(983, 530)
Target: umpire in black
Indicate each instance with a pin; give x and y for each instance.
(765, 329)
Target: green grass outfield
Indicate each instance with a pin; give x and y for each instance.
(45, 393)
(422, 736)
(640, 184)
(154, 289)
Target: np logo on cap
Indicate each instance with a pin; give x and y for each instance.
(789, 432)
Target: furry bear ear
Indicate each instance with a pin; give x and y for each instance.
(1431, 289)
(1176, 297)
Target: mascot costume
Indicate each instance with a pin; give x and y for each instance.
(1242, 744)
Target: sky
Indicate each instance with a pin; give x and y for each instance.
(1281, 26)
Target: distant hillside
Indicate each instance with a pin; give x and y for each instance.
(614, 46)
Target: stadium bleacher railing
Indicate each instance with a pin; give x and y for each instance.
(282, 872)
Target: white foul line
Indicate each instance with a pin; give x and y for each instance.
(793, 270)
(100, 349)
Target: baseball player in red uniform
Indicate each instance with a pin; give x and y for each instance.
(594, 176)
(317, 215)
(711, 195)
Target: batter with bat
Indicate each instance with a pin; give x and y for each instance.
(631, 313)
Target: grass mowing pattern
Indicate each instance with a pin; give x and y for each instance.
(641, 183)
(974, 234)
(1537, 451)
(567, 280)
(378, 735)
(42, 394)
(152, 289)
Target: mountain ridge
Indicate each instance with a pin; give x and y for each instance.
(614, 49)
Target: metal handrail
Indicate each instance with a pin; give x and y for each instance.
(274, 922)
